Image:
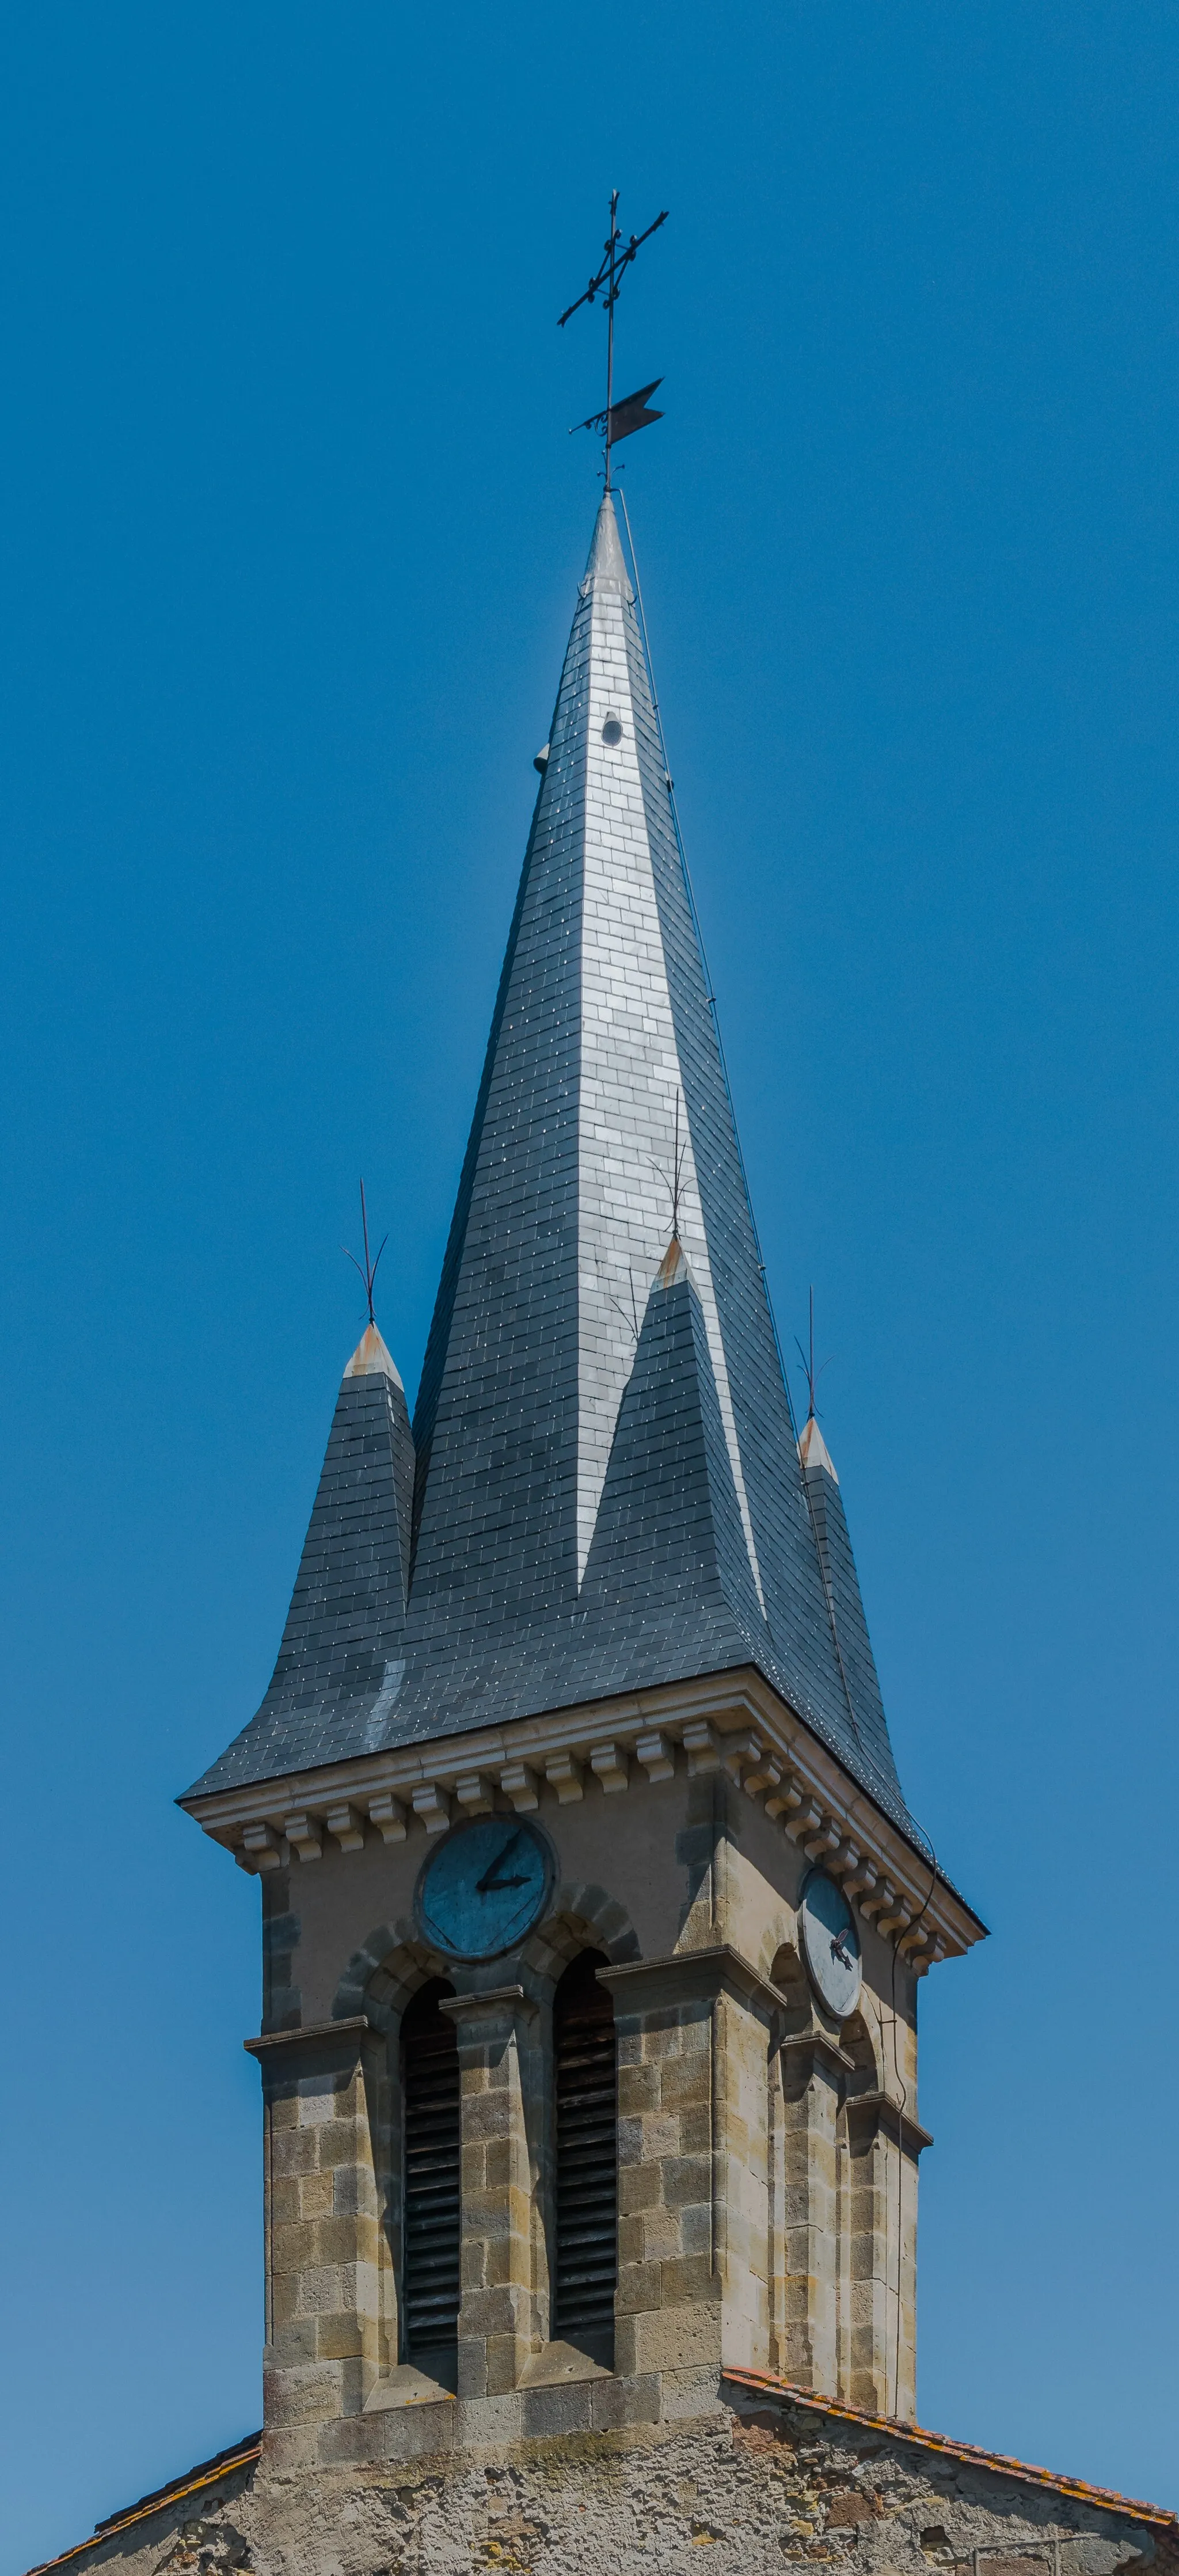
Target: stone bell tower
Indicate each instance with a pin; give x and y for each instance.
(593, 1913)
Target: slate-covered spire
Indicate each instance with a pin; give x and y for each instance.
(854, 1646)
(594, 1451)
(668, 1545)
(343, 1646)
(567, 1195)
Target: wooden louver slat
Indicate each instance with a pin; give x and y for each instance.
(586, 2268)
(431, 2212)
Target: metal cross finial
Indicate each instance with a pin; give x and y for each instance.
(617, 256)
(369, 1271)
(810, 1372)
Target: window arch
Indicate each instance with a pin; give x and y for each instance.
(432, 2164)
(585, 2068)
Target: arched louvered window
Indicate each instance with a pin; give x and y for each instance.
(585, 2269)
(430, 2202)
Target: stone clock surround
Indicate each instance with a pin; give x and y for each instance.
(766, 2155)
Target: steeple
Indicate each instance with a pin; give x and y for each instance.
(602, 1391)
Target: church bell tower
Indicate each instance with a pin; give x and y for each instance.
(593, 1913)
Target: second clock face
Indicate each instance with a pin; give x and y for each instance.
(483, 1888)
(831, 1944)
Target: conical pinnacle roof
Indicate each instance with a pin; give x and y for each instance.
(342, 1647)
(554, 1366)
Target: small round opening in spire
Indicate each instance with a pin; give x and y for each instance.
(612, 732)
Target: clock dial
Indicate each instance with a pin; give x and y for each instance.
(830, 1944)
(484, 1887)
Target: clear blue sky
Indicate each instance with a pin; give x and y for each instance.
(290, 527)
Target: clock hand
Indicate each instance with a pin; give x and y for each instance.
(838, 1952)
(489, 1879)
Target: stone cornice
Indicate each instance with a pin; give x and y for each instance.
(880, 2108)
(353, 2029)
(729, 1719)
(494, 2003)
(688, 1976)
(818, 2043)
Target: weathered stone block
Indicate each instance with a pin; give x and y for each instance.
(473, 2263)
(638, 2089)
(696, 2131)
(686, 2179)
(285, 2205)
(688, 2276)
(660, 2233)
(322, 2290)
(551, 2414)
(293, 2151)
(675, 2338)
(291, 2344)
(695, 2223)
(290, 2247)
(631, 2239)
(501, 2363)
(616, 2403)
(339, 2338)
(310, 2394)
(684, 2082)
(342, 2240)
(639, 2187)
(639, 2286)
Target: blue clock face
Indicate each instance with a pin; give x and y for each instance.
(484, 1888)
(830, 1944)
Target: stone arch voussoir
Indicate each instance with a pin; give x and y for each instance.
(861, 2041)
(580, 1918)
(382, 1975)
(779, 1935)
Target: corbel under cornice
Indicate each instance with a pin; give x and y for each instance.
(735, 1720)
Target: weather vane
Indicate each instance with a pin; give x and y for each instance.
(810, 1372)
(621, 419)
(369, 1271)
(673, 1180)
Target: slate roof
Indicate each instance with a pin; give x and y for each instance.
(608, 1490)
(343, 1645)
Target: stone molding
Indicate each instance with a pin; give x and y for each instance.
(496, 2003)
(690, 1976)
(628, 1746)
(355, 2029)
(879, 2110)
(819, 2044)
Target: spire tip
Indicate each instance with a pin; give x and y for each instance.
(813, 1450)
(371, 1359)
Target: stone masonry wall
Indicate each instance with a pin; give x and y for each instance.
(767, 2154)
(755, 2481)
